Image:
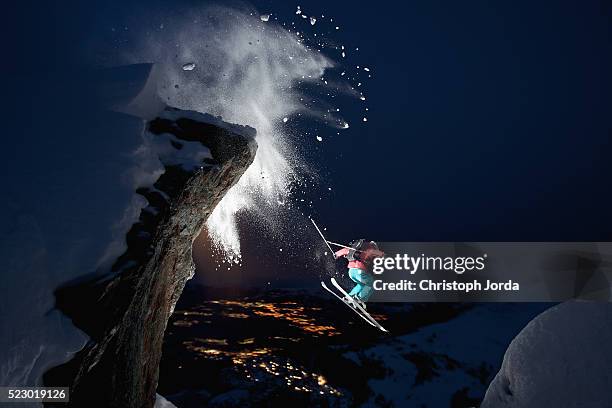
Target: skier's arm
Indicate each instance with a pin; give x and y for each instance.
(342, 252)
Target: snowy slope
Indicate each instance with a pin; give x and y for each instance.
(443, 364)
(67, 203)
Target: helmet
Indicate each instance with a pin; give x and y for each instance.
(357, 244)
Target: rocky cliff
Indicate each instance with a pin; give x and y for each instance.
(126, 315)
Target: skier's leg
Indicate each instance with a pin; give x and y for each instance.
(354, 275)
(367, 288)
(366, 280)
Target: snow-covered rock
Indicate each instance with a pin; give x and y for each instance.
(126, 316)
(561, 359)
(99, 211)
(190, 66)
(161, 402)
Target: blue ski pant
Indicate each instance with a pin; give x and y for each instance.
(363, 289)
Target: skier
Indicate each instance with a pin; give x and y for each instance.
(360, 256)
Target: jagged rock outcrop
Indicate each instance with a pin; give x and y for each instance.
(561, 359)
(126, 316)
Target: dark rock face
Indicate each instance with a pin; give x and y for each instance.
(127, 315)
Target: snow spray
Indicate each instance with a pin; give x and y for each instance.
(249, 70)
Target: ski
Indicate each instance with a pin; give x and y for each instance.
(348, 304)
(362, 311)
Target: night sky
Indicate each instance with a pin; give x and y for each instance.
(487, 122)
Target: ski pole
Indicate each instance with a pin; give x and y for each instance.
(321, 234)
(343, 246)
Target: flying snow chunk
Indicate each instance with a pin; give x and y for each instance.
(365, 119)
(313, 20)
(190, 66)
(285, 119)
(362, 98)
(299, 10)
(264, 17)
(366, 69)
(319, 138)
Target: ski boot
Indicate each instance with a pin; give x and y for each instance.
(360, 302)
(350, 300)
(354, 301)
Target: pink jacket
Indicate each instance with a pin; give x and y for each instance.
(365, 257)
